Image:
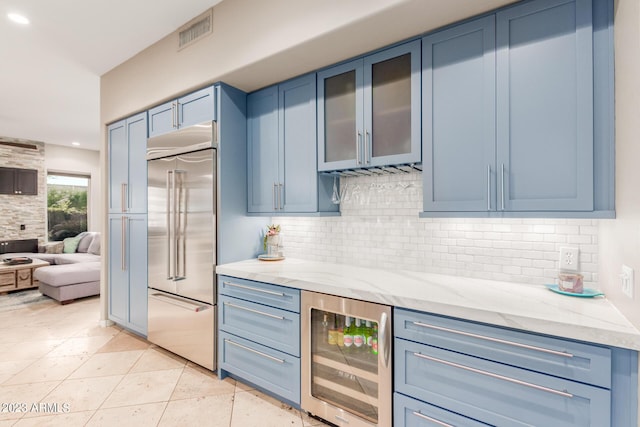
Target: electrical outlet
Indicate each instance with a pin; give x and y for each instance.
(627, 281)
(569, 258)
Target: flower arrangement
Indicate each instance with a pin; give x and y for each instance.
(272, 230)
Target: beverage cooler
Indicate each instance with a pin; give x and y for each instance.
(346, 360)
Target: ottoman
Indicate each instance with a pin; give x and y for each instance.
(67, 282)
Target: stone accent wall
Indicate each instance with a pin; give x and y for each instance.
(28, 210)
(379, 227)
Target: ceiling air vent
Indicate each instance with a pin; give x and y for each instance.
(196, 29)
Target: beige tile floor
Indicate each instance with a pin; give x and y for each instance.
(59, 368)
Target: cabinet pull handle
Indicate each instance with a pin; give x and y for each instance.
(174, 115)
(496, 376)
(250, 288)
(123, 246)
(123, 197)
(502, 186)
(496, 340)
(262, 313)
(358, 142)
(382, 340)
(274, 197)
(367, 155)
(488, 187)
(281, 196)
(259, 353)
(433, 420)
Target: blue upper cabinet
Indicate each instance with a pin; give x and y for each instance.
(458, 110)
(369, 110)
(127, 145)
(508, 113)
(191, 109)
(545, 106)
(263, 150)
(297, 142)
(281, 131)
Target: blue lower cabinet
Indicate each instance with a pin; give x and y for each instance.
(260, 323)
(260, 335)
(410, 412)
(260, 292)
(274, 371)
(495, 393)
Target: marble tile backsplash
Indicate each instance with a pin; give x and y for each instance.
(379, 227)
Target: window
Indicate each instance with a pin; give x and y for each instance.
(66, 205)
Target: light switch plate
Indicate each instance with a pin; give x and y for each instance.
(569, 258)
(627, 281)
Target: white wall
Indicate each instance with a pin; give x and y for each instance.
(78, 161)
(620, 238)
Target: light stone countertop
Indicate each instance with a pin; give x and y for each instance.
(527, 307)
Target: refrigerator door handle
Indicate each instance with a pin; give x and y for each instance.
(175, 225)
(383, 338)
(180, 229)
(196, 308)
(168, 218)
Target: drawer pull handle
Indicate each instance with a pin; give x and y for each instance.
(259, 353)
(254, 311)
(433, 420)
(496, 376)
(250, 288)
(497, 340)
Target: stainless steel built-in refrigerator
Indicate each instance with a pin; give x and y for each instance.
(182, 242)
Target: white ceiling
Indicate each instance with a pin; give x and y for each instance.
(51, 68)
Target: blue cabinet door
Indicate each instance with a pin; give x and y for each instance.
(128, 271)
(163, 119)
(340, 117)
(128, 165)
(458, 108)
(197, 107)
(118, 152)
(137, 266)
(392, 99)
(545, 106)
(136, 191)
(495, 393)
(191, 109)
(262, 140)
(369, 110)
(118, 270)
(297, 145)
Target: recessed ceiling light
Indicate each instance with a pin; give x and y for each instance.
(18, 19)
(76, 143)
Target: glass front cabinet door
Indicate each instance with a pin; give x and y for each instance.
(369, 110)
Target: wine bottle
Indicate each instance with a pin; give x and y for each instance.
(348, 333)
(374, 339)
(358, 335)
(340, 337)
(332, 338)
(368, 333)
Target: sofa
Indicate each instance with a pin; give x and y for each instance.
(75, 267)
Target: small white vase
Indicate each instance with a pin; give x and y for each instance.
(273, 245)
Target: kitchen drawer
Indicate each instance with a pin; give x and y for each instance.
(410, 412)
(586, 363)
(23, 278)
(275, 328)
(8, 279)
(494, 393)
(265, 367)
(263, 293)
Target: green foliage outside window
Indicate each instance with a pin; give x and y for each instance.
(66, 211)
